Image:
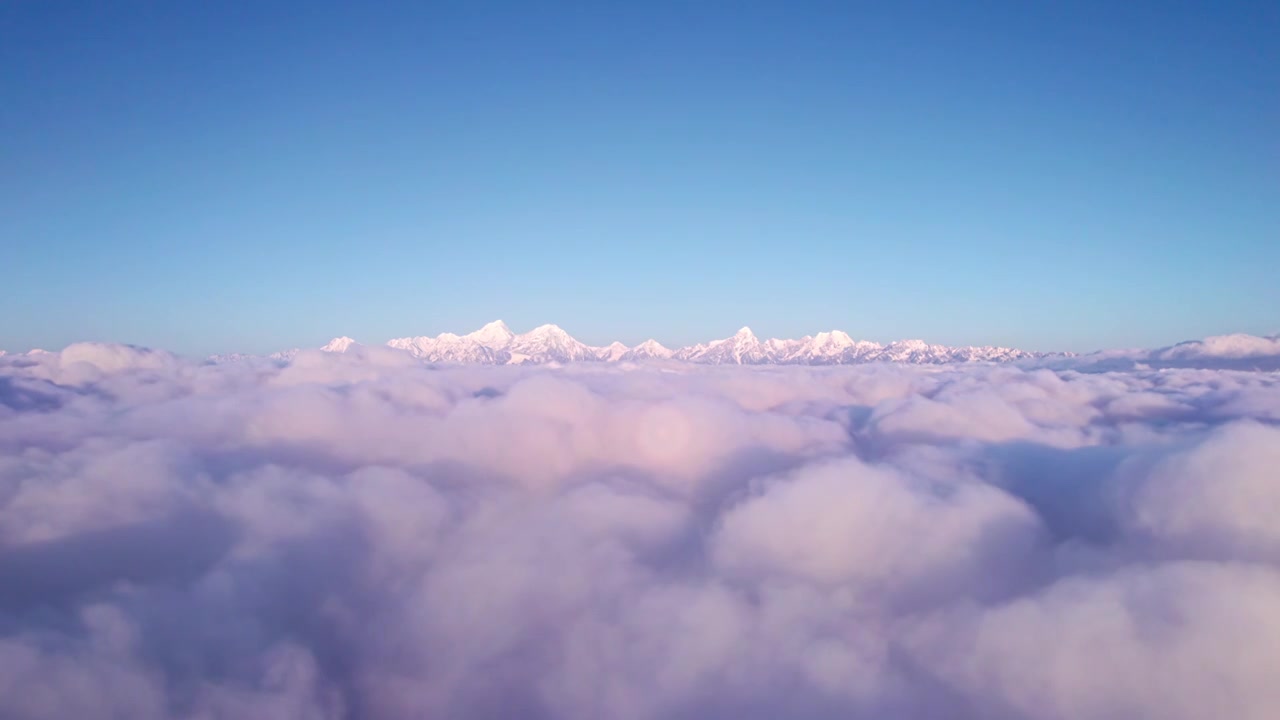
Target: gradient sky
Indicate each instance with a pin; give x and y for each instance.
(210, 176)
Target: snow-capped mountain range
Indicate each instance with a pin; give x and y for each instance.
(496, 344)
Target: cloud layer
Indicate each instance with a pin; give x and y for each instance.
(356, 535)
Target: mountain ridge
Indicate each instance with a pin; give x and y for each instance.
(496, 344)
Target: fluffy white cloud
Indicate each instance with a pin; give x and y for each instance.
(360, 535)
(873, 530)
(1220, 497)
(1176, 640)
(1223, 346)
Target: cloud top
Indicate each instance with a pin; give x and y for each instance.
(358, 534)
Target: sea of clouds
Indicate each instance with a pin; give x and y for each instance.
(362, 536)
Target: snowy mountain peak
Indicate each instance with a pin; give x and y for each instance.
(614, 351)
(547, 330)
(648, 350)
(910, 344)
(836, 338)
(549, 343)
(743, 348)
(339, 344)
(495, 335)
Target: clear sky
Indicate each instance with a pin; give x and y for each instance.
(250, 176)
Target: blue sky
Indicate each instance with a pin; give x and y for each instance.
(252, 176)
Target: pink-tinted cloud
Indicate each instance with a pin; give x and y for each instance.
(362, 535)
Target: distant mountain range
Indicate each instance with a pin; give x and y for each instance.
(496, 344)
